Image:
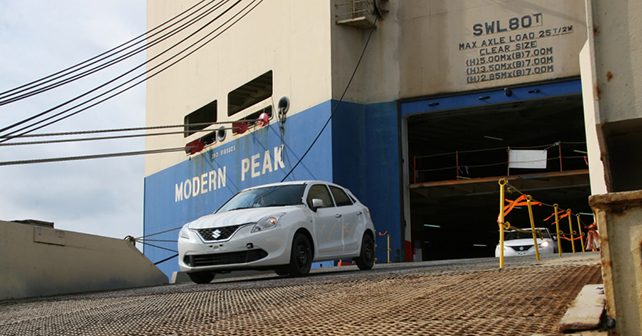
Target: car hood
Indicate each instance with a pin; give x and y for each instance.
(236, 217)
(523, 242)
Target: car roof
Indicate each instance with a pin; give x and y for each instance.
(291, 183)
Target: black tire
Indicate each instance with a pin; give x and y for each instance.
(300, 256)
(282, 271)
(366, 259)
(201, 277)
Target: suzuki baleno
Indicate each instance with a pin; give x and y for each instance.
(283, 226)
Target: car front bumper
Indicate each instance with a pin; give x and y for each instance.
(243, 250)
(511, 252)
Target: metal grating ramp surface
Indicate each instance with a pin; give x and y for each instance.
(516, 301)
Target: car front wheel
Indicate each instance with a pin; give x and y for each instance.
(366, 259)
(300, 256)
(201, 277)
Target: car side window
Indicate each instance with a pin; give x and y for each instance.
(321, 192)
(340, 196)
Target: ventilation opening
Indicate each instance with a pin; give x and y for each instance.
(200, 119)
(253, 92)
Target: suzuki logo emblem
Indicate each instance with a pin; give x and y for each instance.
(216, 233)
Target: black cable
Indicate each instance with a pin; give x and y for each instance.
(546, 146)
(158, 247)
(129, 81)
(144, 79)
(95, 59)
(90, 157)
(166, 259)
(130, 129)
(157, 233)
(157, 240)
(113, 137)
(354, 72)
(111, 81)
(116, 60)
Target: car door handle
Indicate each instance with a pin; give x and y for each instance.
(359, 213)
(337, 215)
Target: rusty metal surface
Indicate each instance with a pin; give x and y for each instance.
(618, 220)
(523, 299)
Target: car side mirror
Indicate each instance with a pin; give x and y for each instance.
(316, 204)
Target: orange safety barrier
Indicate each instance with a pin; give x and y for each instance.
(561, 213)
(563, 236)
(519, 201)
(506, 206)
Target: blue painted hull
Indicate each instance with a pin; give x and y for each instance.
(358, 149)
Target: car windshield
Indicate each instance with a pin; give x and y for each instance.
(526, 233)
(283, 195)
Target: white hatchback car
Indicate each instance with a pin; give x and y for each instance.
(520, 243)
(282, 226)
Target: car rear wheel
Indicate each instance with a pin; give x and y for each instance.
(366, 259)
(201, 277)
(300, 256)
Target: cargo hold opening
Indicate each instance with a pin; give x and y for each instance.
(455, 158)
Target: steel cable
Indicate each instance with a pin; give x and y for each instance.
(8, 137)
(110, 82)
(4, 96)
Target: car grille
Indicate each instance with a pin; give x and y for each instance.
(221, 233)
(522, 248)
(224, 258)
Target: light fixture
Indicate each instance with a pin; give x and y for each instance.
(493, 138)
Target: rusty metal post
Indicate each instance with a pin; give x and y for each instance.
(388, 246)
(557, 229)
(529, 198)
(500, 220)
(570, 228)
(579, 227)
(620, 227)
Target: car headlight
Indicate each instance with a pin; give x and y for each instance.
(267, 223)
(544, 244)
(184, 233)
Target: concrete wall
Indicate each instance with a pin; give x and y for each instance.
(596, 167)
(451, 46)
(38, 261)
(377, 79)
(618, 218)
(289, 37)
(428, 47)
(616, 45)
